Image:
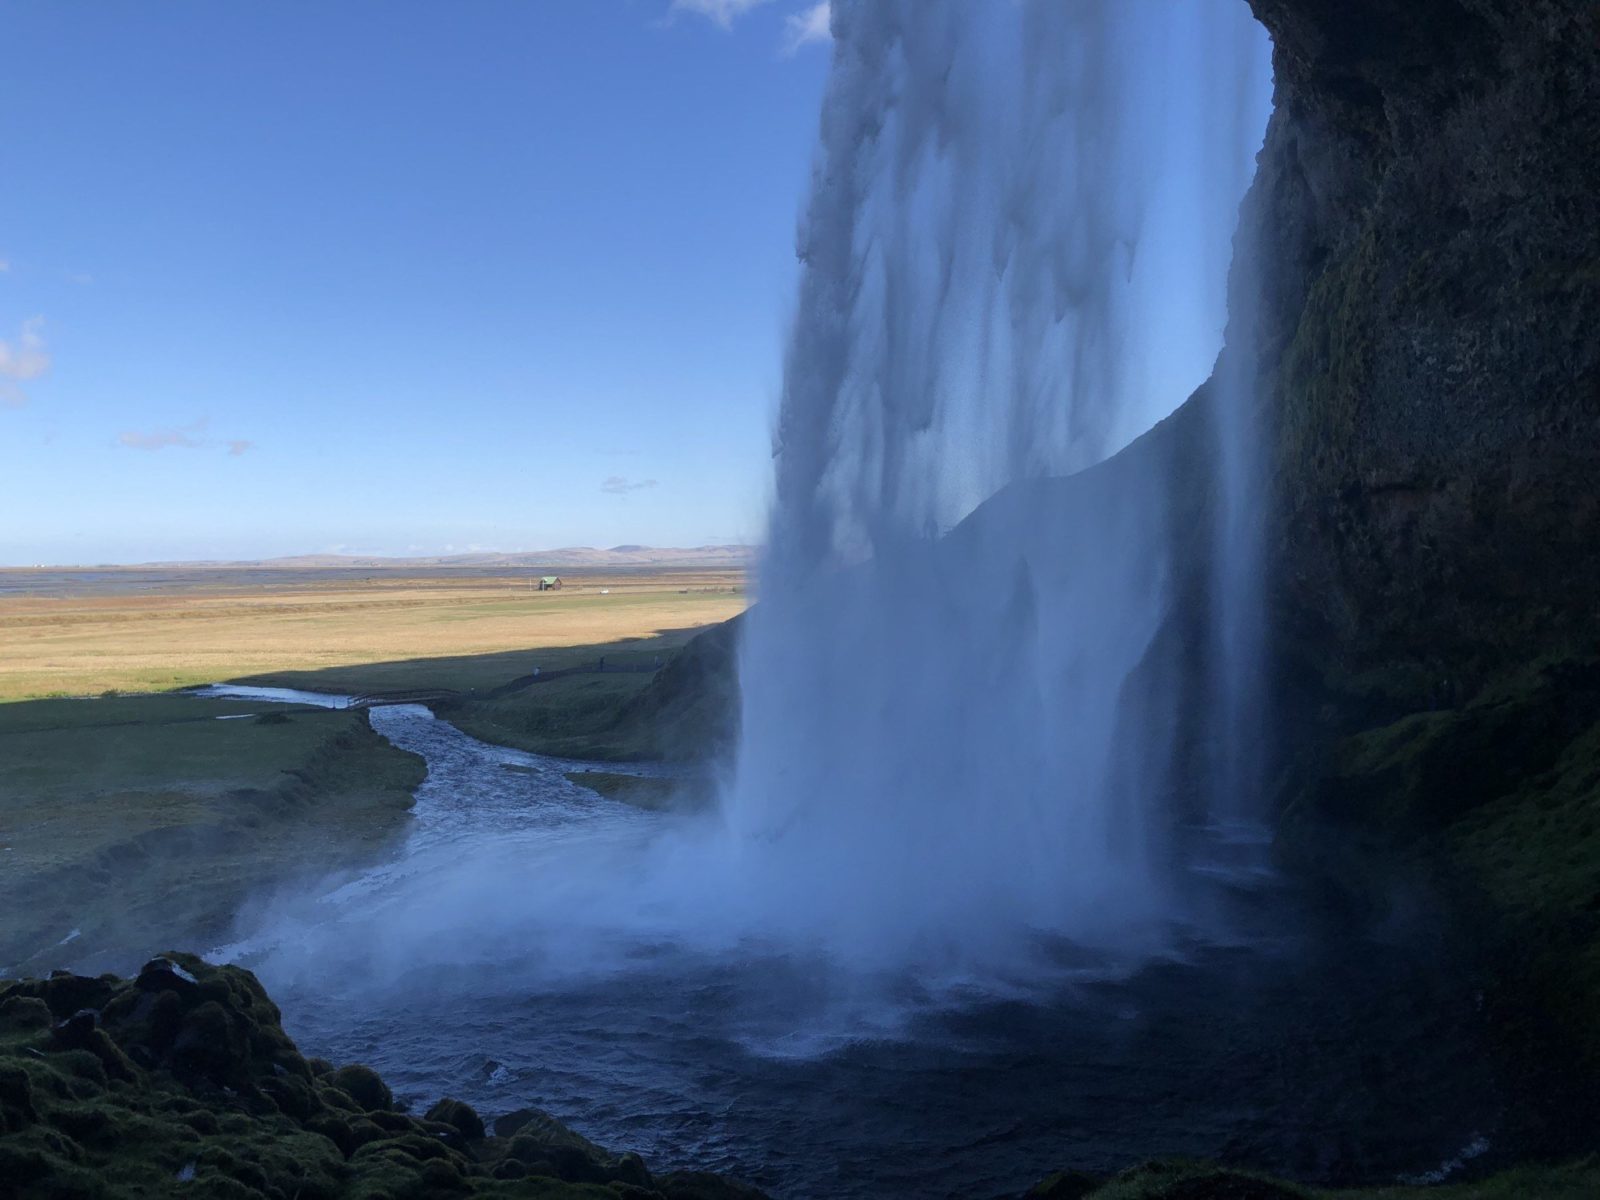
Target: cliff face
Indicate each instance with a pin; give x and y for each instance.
(1426, 231)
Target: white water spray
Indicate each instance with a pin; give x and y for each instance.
(1015, 259)
(1016, 251)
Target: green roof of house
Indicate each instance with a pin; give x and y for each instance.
(549, 579)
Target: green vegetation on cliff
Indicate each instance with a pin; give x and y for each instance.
(685, 711)
(1493, 807)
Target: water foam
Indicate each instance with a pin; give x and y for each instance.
(1015, 258)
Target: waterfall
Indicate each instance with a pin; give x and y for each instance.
(1015, 259)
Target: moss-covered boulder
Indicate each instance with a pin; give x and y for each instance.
(364, 1086)
(460, 1117)
(183, 1076)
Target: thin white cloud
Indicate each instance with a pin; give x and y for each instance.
(5, 265)
(721, 13)
(806, 27)
(619, 485)
(25, 358)
(184, 436)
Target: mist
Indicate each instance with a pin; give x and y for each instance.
(1015, 259)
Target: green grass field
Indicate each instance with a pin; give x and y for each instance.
(132, 823)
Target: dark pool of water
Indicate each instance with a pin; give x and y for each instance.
(1343, 1066)
(1330, 1057)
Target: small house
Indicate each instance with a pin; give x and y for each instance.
(550, 583)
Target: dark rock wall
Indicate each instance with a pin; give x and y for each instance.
(1424, 230)
(1426, 233)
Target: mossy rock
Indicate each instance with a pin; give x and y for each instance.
(20, 1014)
(459, 1117)
(364, 1086)
(130, 1103)
(1184, 1181)
(700, 1185)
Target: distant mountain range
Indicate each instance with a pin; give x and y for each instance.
(568, 558)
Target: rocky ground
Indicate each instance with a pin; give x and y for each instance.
(182, 1081)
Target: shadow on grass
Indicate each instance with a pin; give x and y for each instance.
(132, 824)
(478, 673)
(671, 696)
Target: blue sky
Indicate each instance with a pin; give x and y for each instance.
(394, 277)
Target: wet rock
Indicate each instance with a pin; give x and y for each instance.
(211, 1045)
(526, 1150)
(631, 1169)
(701, 1185)
(16, 1100)
(162, 974)
(512, 1122)
(24, 1013)
(74, 1032)
(146, 1022)
(364, 1086)
(572, 1165)
(67, 993)
(459, 1116)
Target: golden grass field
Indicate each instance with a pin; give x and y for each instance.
(440, 629)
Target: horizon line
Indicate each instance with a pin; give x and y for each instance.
(624, 551)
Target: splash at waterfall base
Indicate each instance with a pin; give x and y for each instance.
(1015, 259)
